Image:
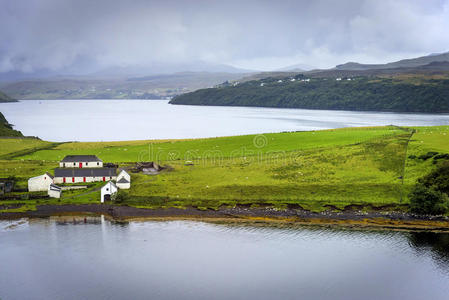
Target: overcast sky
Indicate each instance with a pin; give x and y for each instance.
(261, 35)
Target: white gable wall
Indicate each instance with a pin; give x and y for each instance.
(108, 189)
(39, 183)
(124, 174)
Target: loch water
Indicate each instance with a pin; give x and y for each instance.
(115, 120)
(71, 259)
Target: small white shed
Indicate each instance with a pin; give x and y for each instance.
(54, 191)
(107, 191)
(123, 180)
(40, 183)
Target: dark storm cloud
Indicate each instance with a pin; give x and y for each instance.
(58, 34)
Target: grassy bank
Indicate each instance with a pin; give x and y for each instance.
(317, 170)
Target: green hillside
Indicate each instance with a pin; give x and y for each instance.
(359, 94)
(6, 128)
(318, 170)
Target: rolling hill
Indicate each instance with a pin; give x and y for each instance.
(357, 94)
(405, 63)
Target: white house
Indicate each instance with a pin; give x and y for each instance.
(81, 161)
(40, 183)
(54, 191)
(75, 175)
(107, 191)
(123, 180)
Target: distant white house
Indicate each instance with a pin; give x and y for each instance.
(338, 78)
(279, 80)
(40, 183)
(123, 180)
(81, 161)
(293, 79)
(54, 191)
(107, 191)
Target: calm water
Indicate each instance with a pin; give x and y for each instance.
(44, 259)
(108, 120)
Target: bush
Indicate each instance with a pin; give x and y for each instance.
(120, 197)
(428, 201)
(430, 194)
(438, 178)
(428, 155)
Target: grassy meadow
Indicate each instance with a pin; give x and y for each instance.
(318, 170)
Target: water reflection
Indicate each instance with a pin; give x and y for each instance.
(95, 258)
(435, 243)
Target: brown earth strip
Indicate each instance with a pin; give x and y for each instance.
(346, 218)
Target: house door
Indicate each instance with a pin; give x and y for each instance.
(81, 165)
(104, 178)
(63, 179)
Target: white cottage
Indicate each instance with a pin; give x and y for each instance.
(40, 183)
(123, 180)
(54, 191)
(81, 161)
(107, 191)
(76, 175)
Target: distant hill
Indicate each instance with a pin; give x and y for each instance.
(357, 94)
(296, 68)
(6, 128)
(159, 86)
(440, 68)
(405, 63)
(158, 69)
(88, 69)
(6, 98)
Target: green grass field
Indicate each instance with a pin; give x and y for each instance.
(316, 169)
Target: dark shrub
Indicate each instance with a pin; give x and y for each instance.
(120, 197)
(428, 155)
(428, 201)
(438, 178)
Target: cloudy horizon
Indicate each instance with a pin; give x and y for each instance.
(86, 36)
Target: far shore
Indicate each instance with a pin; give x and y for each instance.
(293, 216)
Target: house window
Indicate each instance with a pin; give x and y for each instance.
(74, 164)
(45, 178)
(98, 163)
(87, 164)
(63, 165)
(107, 189)
(110, 177)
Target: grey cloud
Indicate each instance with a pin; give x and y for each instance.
(88, 35)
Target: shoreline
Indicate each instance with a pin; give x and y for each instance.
(387, 220)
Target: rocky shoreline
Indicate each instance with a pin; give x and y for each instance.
(352, 218)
